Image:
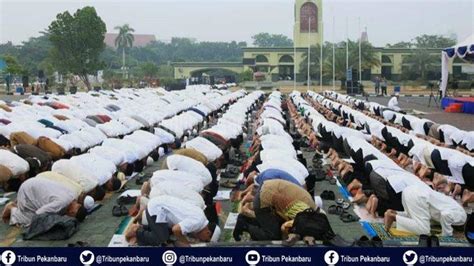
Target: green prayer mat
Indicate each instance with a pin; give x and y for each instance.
(379, 228)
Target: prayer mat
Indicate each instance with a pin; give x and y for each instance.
(118, 239)
(401, 236)
(11, 236)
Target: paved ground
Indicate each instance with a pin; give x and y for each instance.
(434, 113)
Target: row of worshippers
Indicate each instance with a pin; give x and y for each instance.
(73, 175)
(90, 118)
(177, 202)
(445, 134)
(447, 168)
(83, 137)
(387, 188)
(278, 201)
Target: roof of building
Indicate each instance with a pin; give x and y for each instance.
(141, 40)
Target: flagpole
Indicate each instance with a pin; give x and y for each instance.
(347, 44)
(294, 63)
(309, 50)
(333, 53)
(321, 59)
(360, 54)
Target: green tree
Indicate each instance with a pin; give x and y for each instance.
(33, 52)
(13, 67)
(419, 63)
(433, 41)
(165, 71)
(369, 59)
(314, 61)
(401, 45)
(77, 42)
(124, 40)
(271, 40)
(148, 70)
(246, 75)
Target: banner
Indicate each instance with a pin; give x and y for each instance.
(237, 256)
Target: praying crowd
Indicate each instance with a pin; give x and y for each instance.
(62, 154)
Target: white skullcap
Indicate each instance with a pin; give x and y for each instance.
(216, 235)
(88, 202)
(161, 151)
(319, 201)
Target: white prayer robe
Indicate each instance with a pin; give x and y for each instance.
(422, 204)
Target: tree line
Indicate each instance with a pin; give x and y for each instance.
(74, 44)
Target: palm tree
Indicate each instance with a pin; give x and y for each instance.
(123, 41)
(369, 59)
(420, 63)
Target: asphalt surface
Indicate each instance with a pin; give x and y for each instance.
(434, 112)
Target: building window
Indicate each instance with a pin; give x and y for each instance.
(261, 59)
(386, 59)
(309, 11)
(286, 59)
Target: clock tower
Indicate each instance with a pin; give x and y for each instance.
(308, 29)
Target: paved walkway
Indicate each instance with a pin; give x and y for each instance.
(434, 113)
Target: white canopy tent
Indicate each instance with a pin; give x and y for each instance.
(463, 50)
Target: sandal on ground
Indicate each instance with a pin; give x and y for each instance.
(348, 218)
(126, 200)
(335, 209)
(340, 201)
(346, 205)
(123, 210)
(116, 211)
(141, 178)
(377, 242)
(78, 244)
(228, 184)
(328, 195)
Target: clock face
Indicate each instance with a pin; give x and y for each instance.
(309, 11)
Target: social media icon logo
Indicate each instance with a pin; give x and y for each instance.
(87, 257)
(331, 257)
(169, 257)
(8, 257)
(410, 257)
(252, 257)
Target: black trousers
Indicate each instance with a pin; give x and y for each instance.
(266, 225)
(153, 234)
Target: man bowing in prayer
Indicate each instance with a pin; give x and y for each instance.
(38, 196)
(164, 213)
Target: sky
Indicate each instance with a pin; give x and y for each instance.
(387, 21)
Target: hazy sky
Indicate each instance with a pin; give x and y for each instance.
(387, 21)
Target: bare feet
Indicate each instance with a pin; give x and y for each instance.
(292, 239)
(309, 240)
(389, 219)
(355, 184)
(371, 205)
(359, 198)
(7, 211)
(347, 170)
(457, 191)
(467, 197)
